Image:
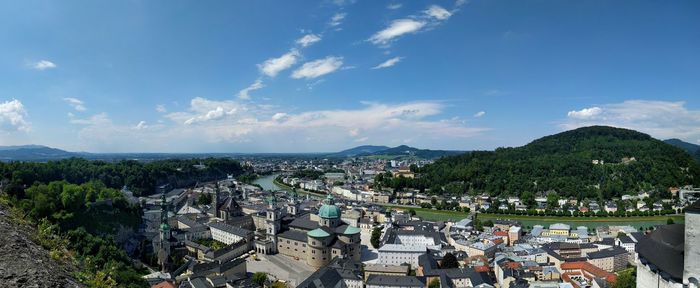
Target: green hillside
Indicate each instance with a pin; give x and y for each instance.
(564, 162)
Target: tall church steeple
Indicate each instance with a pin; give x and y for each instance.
(214, 210)
(273, 221)
(164, 239)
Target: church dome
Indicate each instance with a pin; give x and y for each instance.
(328, 210)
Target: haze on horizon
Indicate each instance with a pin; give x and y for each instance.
(264, 76)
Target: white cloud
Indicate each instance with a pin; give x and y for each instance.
(318, 67)
(337, 19)
(203, 110)
(394, 6)
(76, 103)
(42, 65)
(586, 113)
(479, 114)
(388, 63)
(396, 29)
(438, 12)
(142, 125)
(243, 94)
(273, 66)
(308, 39)
(661, 119)
(161, 108)
(12, 114)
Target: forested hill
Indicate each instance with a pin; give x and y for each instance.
(627, 161)
(141, 177)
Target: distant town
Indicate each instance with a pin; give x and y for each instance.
(326, 223)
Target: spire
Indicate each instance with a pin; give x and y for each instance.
(163, 210)
(271, 202)
(329, 199)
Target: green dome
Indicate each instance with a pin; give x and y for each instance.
(328, 210)
(318, 233)
(164, 227)
(350, 230)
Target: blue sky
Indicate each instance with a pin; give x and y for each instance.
(303, 76)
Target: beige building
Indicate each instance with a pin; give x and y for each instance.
(318, 243)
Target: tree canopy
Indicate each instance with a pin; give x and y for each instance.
(627, 162)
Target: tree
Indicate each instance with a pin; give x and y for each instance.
(411, 212)
(528, 198)
(204, 199)
(626, 279)
(435, 283)
(670, 221)
(449, 261)
(376, 235)
(260, 278)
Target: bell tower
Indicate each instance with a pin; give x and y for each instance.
(273, 221)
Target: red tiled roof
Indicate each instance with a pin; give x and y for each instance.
(501, 233)
(164, 284)
(590, 268)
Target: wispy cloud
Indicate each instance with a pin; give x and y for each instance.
(438, 12)
(396, 29)
(661, 119)
(12, 116)
(308, 39)
(142, 125)
(161, 108)
(337, 19)
(394, 6)
(431, 17)
(243, 94)
(271, 67)
(388, 63)
(479, 114)
(76, 103)
(318, 68)
(42, 65)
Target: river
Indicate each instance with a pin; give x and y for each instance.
(268, 182)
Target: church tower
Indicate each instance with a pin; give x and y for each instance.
(293, 205)
(214, 210)
(164, 239)
(272, 221)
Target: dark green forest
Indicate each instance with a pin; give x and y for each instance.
(563, 163)
(83, 218)
(141, 177)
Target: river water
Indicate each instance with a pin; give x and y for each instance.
(267, 182)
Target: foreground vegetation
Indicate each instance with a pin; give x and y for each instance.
(81, 215)
(62, 212)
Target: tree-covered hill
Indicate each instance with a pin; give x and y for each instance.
(627, 162)
(141, 177)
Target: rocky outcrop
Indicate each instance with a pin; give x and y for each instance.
(24, 263)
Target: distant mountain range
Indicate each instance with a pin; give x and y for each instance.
(692, 149)
(33, 153)
(40, 153)
(403, 150)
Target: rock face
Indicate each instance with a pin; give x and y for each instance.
(24, 263)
